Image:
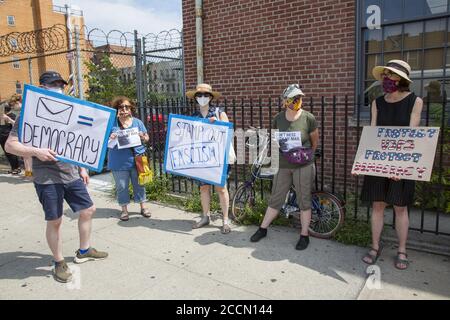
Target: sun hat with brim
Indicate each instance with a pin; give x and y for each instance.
(203, 88)
(292, 90)
(399, 67)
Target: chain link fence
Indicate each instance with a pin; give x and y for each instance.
(98, 65)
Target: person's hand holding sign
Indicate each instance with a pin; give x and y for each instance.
(212, 119)
(144, 137)
(45, 154)
(113, 136)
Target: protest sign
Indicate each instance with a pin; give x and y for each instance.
(198, 149)
(403, 152)
(128, 138)
(75, 129)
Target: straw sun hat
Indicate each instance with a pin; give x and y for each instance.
(399, 67)
(203, 88)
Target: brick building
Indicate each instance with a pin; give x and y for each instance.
(255, 48)
(18, 16)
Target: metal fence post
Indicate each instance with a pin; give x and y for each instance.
(138, 55)
(144, 72)
(30, 70)
(78, 63)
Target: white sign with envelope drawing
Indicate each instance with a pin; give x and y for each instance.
(75, 129)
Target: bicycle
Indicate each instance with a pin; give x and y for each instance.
(327, 209)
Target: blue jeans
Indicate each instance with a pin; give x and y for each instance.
(122, 179)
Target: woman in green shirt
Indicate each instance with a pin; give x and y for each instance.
(296, 128)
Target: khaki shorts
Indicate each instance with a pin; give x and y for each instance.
(302, 178)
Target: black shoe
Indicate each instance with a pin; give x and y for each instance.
(302, 243)
(259, 234)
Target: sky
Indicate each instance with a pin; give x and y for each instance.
(146, 16)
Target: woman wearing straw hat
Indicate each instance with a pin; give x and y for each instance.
(203, 95)
(398, 107)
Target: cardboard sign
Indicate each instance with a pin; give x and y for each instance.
(403, 152)
(128, 138)
(75, 129)
(198, 149)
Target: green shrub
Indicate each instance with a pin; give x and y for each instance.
(354, 232)
(193, 203)
(254, 215)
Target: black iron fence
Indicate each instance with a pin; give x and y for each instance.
(340, 125)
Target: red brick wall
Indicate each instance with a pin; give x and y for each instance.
(255, 48)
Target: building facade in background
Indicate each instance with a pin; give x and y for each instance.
(255, 48)
(19, 16)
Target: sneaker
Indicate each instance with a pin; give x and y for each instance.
(61, 272)
(91, 255)
(302, 243)
(204, 221)
(259, 234)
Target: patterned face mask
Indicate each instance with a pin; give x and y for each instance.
(389, 85)
(294, 103)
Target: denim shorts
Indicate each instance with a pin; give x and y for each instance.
(52, 198)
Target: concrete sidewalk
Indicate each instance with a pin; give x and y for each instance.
(163, 258)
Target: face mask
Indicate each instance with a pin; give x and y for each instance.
(389, 85)
(58, 90)
(296, 106)
(203, 101)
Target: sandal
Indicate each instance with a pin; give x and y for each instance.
(399, 261)
(146, 213)
(225, 229)
(124, 216)
(373, 257)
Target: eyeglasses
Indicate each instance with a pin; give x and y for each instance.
(124, 106)
(198, 95)
(389, 74)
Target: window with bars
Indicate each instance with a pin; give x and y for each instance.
(416, 31)
(13, 43)
(18, 87)
(11, 20)
(15, 63)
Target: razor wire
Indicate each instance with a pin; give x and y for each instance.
(47, 39)
(163, 64)
(56, 37)
(164, 40)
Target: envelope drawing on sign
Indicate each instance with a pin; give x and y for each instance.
(53, 110)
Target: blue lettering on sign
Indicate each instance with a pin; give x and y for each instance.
(195, 155)
(198, 133)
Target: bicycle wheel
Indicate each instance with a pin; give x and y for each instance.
(243, 199)
(327, 215)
